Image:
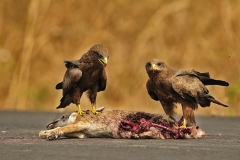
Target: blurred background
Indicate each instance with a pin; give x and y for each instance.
(37, 35)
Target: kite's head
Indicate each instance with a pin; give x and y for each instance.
(100, 52)
(154, 66)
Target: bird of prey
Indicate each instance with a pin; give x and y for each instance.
(86, 74)
(187, 87)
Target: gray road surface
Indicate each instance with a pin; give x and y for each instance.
(19, 140)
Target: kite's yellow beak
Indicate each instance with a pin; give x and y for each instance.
(104, 61)
(153, 67)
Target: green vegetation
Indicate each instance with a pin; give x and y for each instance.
(37, 35)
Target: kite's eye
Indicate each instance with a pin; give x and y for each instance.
(98, 54)
(159, 64)
(149, 64)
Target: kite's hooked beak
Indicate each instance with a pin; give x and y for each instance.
(153, 67)
(104, 61)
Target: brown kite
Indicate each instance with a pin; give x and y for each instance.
(86, 74)
(187, 87)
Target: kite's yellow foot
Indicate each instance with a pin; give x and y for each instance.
(94, 111)
(184, 125)
(80, 111)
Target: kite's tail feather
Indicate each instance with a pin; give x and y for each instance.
(210, 81)
(215, 101)
(65, 101)
(206, 80)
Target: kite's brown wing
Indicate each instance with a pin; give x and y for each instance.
(102, 81)
(207, 80)
(189, 87)
(70, 80)
(192, 89)
(69, 65)
(204, 77)
(150, 92)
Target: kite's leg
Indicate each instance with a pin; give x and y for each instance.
(168, 119)
(94, 108)
(80, 111)
(184, 125)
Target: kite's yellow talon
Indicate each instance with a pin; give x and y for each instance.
(184, 124)
(80, 112)
(94, 109)
(95, 112)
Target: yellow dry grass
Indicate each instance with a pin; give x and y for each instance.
(37, 35)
